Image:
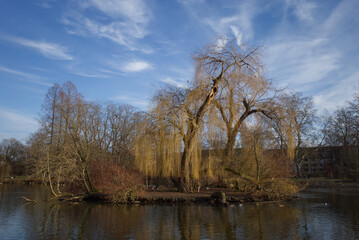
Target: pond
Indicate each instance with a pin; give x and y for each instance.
(319, 214)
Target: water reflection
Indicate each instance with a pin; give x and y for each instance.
(324, 215)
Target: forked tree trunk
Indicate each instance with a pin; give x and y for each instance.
(186, 183)
(299, 169)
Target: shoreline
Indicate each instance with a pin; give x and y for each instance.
(167, 197)
(313, 183)
(206, 196)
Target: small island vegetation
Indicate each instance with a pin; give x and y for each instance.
(229, 130)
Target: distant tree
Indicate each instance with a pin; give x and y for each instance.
(12, 157)
(342, 129)
(294, 125)
(120, 128)
(354, 109)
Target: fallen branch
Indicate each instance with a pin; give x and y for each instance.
(29, 200)
(238, 174)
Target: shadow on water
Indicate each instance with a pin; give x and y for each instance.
(317, 215)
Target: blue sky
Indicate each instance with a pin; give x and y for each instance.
(120, 51)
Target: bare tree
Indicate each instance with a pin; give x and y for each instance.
(120, 126)
(293, 125)
(342, 128)
(12, 157)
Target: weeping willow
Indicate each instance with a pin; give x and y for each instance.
(158, 150)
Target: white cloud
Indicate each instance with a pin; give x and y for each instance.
(49, 50)
(243, 20)
(134, 10)
(237, 34)
(121, 33)
(220, 44)
(136, 66)
(172, 81)
(303, 9)
(125, 22)
(136, 101)
(19, 73)
(90, 75)
(29, 77)
(16, 124)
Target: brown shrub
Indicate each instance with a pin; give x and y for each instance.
(118, 183)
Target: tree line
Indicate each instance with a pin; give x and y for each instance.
(229, 126)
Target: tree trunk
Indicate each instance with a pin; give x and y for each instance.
(185, 181)
(229, 149)
(298, 168)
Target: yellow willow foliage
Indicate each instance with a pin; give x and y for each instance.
(209, 165)
(215, 137)
(158, 153)
(290, 141)
(168, 148)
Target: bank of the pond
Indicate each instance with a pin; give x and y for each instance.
(329, 183)
(215, 196)
(20, 180)
(211, 196)
(205, 196)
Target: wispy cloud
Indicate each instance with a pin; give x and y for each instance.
(301, 63)
(302, 9)
(45, 3)
(49, 50)
(90, 75)
(138, 101)
(25, 76)
(125, 22)
(136, 66)
(134, 10)
(239, 24)
(238, 35)
(332, 97)
(16, 124)
(178, 82)
(316, 58)
(82, 69)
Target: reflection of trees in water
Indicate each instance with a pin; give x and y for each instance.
(293, 220)
(337, 212)
(347, 208)
(89, 221)
(250, 222)
(195, 222)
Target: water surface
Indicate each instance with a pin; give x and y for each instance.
(320, 214)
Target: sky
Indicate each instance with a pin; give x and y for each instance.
(121, 51)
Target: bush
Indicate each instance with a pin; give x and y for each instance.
(118, 183)
(281, 187)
